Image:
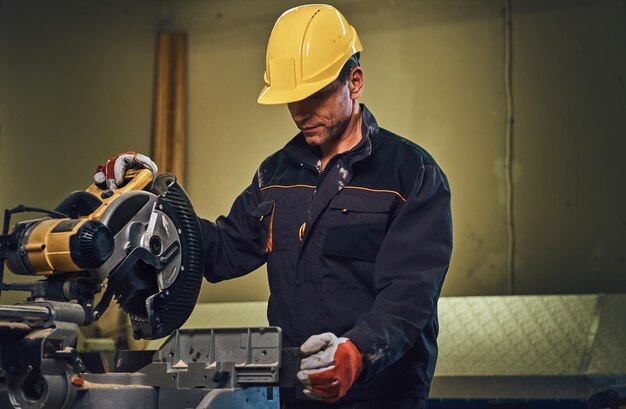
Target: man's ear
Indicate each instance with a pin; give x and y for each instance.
(356, 81)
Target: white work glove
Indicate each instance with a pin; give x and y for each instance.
(330, 368)
(112, 172)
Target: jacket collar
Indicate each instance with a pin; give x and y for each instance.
(303, 153)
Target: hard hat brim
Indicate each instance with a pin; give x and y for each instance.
(268, 96)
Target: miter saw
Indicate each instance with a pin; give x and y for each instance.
(143, 238)
(140, 244)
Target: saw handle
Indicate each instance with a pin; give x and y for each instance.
(135, 179)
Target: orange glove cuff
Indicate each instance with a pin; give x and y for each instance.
(337, 380)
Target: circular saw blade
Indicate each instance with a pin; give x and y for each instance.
(155, 272)
(138, 221)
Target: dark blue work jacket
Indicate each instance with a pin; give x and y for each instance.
(360, 249)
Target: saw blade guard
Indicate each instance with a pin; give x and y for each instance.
(155, 272)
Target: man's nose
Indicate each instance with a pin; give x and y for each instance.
(299, 111)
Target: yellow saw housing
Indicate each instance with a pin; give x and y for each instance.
(48, 246)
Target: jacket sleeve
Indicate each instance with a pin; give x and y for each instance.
(409, 272)
(232, 245)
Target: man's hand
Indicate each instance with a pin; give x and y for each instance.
(112, 172)
(330, 368)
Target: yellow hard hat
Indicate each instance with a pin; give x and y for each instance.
(307, 48)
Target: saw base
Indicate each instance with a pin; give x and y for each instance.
(203, 368)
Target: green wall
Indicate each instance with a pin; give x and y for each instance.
(76, 87)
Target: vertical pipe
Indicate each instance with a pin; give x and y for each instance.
(161, 91)
(168, 148)
(508, 154)
(180, 98)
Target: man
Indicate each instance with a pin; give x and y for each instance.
(352, 220)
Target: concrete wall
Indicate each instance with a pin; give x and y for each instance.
(76, 87)
(570, 64)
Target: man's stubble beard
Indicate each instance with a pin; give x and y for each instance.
(331, 134)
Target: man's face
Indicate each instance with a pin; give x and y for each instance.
(323, 116)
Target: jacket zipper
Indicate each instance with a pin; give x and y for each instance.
(321, 174)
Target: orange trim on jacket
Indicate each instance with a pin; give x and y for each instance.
(269, 244)
(285, 187)
(345, 187)
(376, 190)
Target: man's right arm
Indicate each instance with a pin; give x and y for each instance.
(232, 244)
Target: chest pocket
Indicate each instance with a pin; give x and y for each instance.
(271, 218)
(358, 226)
